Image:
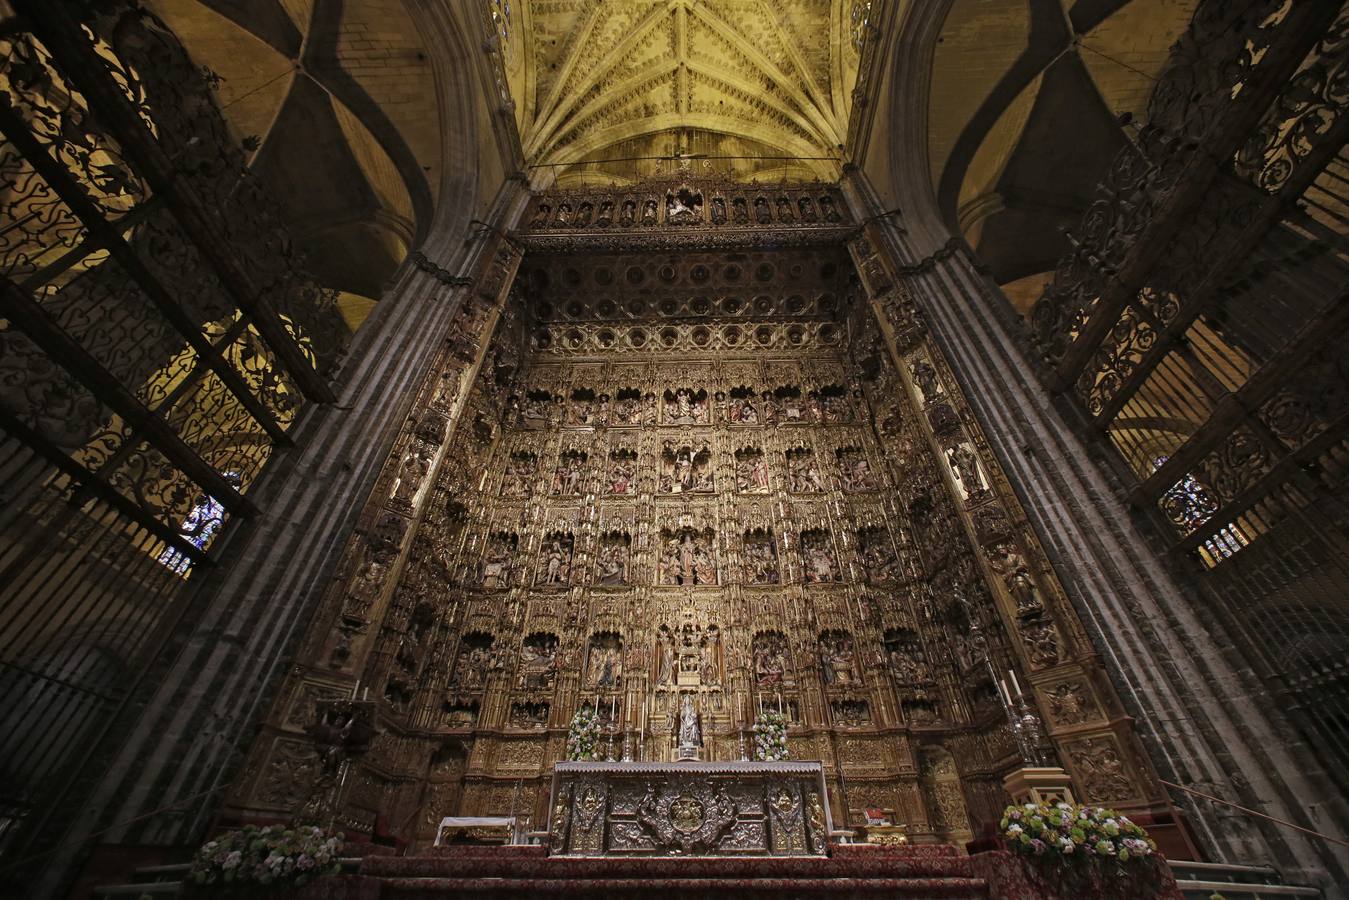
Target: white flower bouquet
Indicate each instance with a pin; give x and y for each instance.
(770, 737)
(583, 737)
(1074, 832)
(274, 855)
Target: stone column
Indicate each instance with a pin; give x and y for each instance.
(159, 774)
(1205, 721)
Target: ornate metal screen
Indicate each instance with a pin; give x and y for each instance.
(1199, 325)
(157, 340)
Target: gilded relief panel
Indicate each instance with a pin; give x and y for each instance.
(802, 519)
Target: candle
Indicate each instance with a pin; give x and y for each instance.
(355, 687)
(613, 711)
(597, 705)
(366, 695)
(1006, 695)
(1012, 672)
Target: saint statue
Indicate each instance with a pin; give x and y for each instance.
(667, 662)
(965, 466)
(690, 734)
(621, 477)
(926, 378)
(686, 559)
(613, 563)
(708, 665)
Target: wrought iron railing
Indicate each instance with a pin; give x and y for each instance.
(1199, 325)
(158, 338)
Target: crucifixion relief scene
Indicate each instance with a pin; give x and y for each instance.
(674, 449)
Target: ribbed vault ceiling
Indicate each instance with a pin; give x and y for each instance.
(599, 80)
(1025, 109)
(331, 98)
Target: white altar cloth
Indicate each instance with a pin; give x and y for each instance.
(477, 822)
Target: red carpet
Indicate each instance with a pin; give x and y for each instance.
(522, 872)
(852, 871)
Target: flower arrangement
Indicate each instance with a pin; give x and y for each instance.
(1070, 832)
(274, 855)
(583, 737)
(770, 737)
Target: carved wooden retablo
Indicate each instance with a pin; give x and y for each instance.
(689, 809)
(703, 464)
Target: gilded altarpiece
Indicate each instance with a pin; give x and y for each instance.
(686, 463)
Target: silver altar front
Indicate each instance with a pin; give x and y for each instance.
(689, 809)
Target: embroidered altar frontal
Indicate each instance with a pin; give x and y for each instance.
(689, 809)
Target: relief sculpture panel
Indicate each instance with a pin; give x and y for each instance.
(704, 480)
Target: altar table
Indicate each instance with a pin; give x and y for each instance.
(689, 809)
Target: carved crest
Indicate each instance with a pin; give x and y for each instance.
(692, 817)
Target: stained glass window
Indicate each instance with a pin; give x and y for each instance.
(198, 529)
(1189, 504)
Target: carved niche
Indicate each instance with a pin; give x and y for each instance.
(760, 557)
(688, 557)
